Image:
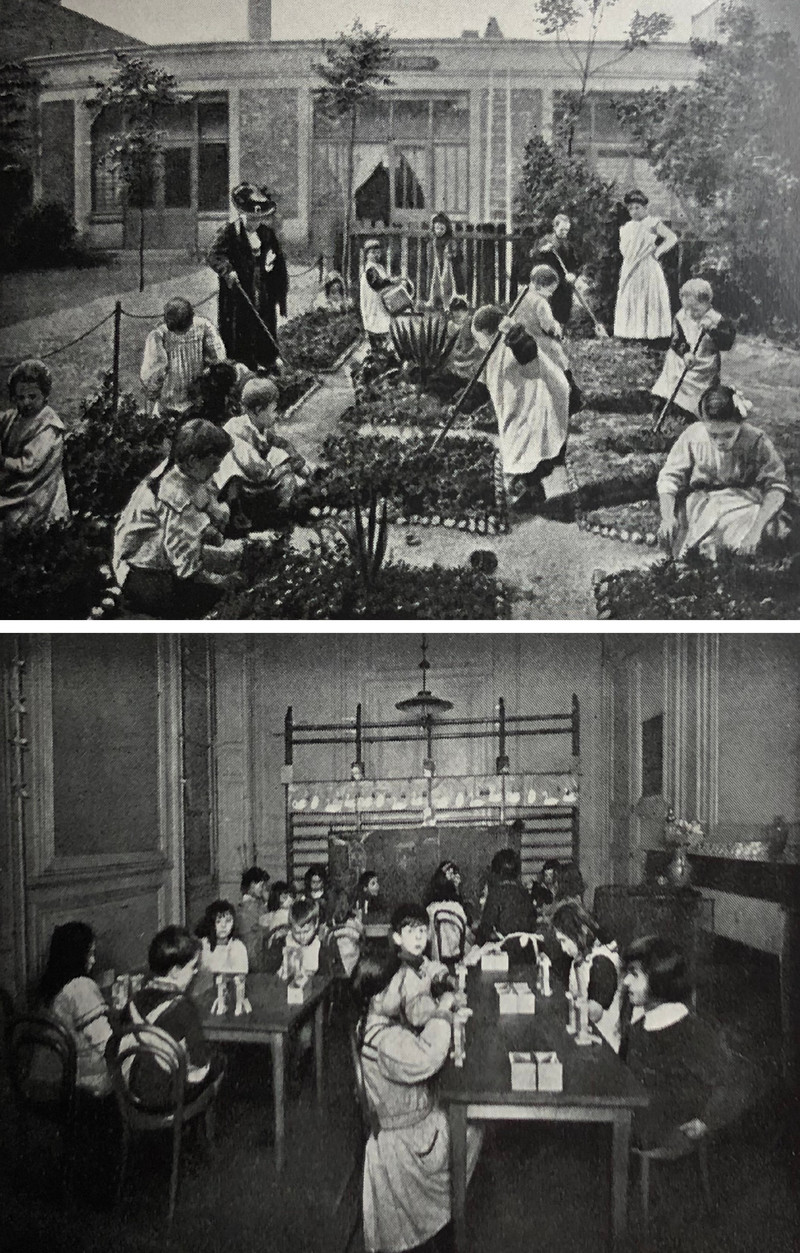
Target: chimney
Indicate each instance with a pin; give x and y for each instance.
(259, 20)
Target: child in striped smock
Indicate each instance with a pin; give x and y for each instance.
(175, 355)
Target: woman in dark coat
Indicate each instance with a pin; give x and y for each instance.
(556, 251)
(249, 260)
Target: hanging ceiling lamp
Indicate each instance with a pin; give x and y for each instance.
(424, 704)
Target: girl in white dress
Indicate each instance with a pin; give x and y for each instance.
(595, 970)
(643, 308)
(406, 1197)
(221, 954)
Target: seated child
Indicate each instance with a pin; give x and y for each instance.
(169, 557)
(68, 991)
(466, 355)
(508, 906)
(216, 393)
(262, 471)
(594, 968)
(175, 353)
(415, 989)
(530, 395)
(406, 1191)
(221, 953)
(304, 938)
(173, 956)
(333, 297)
(279, 902)
(723, 484)
(536, 315)
(366, 900)
(699, 334)
(347, 932)
(315, 887)
(250, 926)
(32, 488)
(446, 913)
(681, 1060)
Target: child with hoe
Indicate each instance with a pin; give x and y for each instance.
(699, 335)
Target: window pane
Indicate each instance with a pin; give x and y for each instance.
(409, 176)
(373, 120)
(212, 119)
(410, 119)
(178, 178)
(451, 119)
(450, 179)
(212, 177)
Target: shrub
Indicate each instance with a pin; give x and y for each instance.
(45, 237)
(425, 343)
(316, 339)
(731, 587)
(323, 583)
(54, 571)
(107, 454)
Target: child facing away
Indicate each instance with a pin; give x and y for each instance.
(530, 395)
(536, 315)
(508, 906)
(723, 484)
(262, 472)
(249, 925)
(446, 913)
(68, 991)
(175, 354)
(594, 969)
(32, 488)
(699, 335)
(173, 957)
(406, 1191)
(221, 952)
(681, 1060)
(169, 556)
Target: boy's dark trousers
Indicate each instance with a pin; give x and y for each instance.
(160, 594)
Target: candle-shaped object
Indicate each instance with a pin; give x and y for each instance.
(242, 1005)
(461, 977)
(220, 1005)
(583, 1017)
(544, 971)
(572, 1023)
(459, 1044)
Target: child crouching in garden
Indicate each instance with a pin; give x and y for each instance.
(699, 335)
(723, 484)
(262, 472)
(169, 556)
(530, 394)
(32, 488)
(175, 354)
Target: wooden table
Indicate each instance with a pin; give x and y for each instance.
(598, 1087)
(270, 1023)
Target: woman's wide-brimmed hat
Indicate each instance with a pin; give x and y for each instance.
(372, 243)
(248, 198)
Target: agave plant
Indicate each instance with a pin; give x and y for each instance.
(424, 342)
(368, 545)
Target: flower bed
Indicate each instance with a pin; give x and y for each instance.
(323, 583)
(614, 376)
(454, 483)
(315, 340)
(57, 571)
(732, 587)
(603, 475)
(292, 386)
(636, 522)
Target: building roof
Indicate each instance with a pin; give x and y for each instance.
(33, 28)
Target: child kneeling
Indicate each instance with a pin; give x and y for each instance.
(169, 556)
(261, 474)
(406, 1197)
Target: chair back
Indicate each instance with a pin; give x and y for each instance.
(449, 935)
(152, 1044)
(42, 1065)
(277, 935)
(369, 1118)
(346, 940)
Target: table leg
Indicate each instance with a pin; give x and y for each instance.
(319, 1023)
(619, 1176)
(457, 1117)
(278, 1083)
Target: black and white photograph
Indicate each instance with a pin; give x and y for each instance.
(380, 942)
(371, 311)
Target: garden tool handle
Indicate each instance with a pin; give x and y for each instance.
(598, 326)
(659, 422)
(238, 287)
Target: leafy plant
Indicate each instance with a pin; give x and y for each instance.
(424, 343)
(369, 547)
(316, 339)
(108, 453)
(733, 586)
(54, 571)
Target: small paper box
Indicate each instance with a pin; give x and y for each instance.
(526, 998)
(549, 1072)
(295, 995)
(507, 999)
(495, 963)
(523, 1072)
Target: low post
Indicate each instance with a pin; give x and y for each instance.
(115, 360)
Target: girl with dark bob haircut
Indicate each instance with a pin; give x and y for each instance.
(664, 965)
(594, 969)
(69, 992)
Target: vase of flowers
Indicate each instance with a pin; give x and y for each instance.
(680, 834)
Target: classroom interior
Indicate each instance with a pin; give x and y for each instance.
(143, 772)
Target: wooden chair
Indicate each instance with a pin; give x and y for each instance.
(42, 1069)
(449, 936)
(673, 1153)
(149, 1041)
(368, 1125)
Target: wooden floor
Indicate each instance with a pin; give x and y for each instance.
(536, 1187)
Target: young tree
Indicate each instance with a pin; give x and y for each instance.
(729, 147)
(579, 50)
(137, 96)
(19, 92)
(355, 66)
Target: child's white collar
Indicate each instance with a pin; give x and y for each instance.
(660, 1016)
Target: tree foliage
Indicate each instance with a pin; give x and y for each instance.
(577, 27)
(729, 147)
(19, 93)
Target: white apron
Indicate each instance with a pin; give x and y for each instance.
(700, 376)
(373, 314)
(579, 974)
(643, 309)
(532, 407)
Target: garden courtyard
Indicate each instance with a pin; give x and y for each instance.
(434, 557)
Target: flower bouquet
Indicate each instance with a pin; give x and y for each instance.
(682, 833)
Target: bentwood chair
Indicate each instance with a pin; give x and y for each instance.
(449, 936)
(42, 1069)
(147, 1041)
(673, 1153)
